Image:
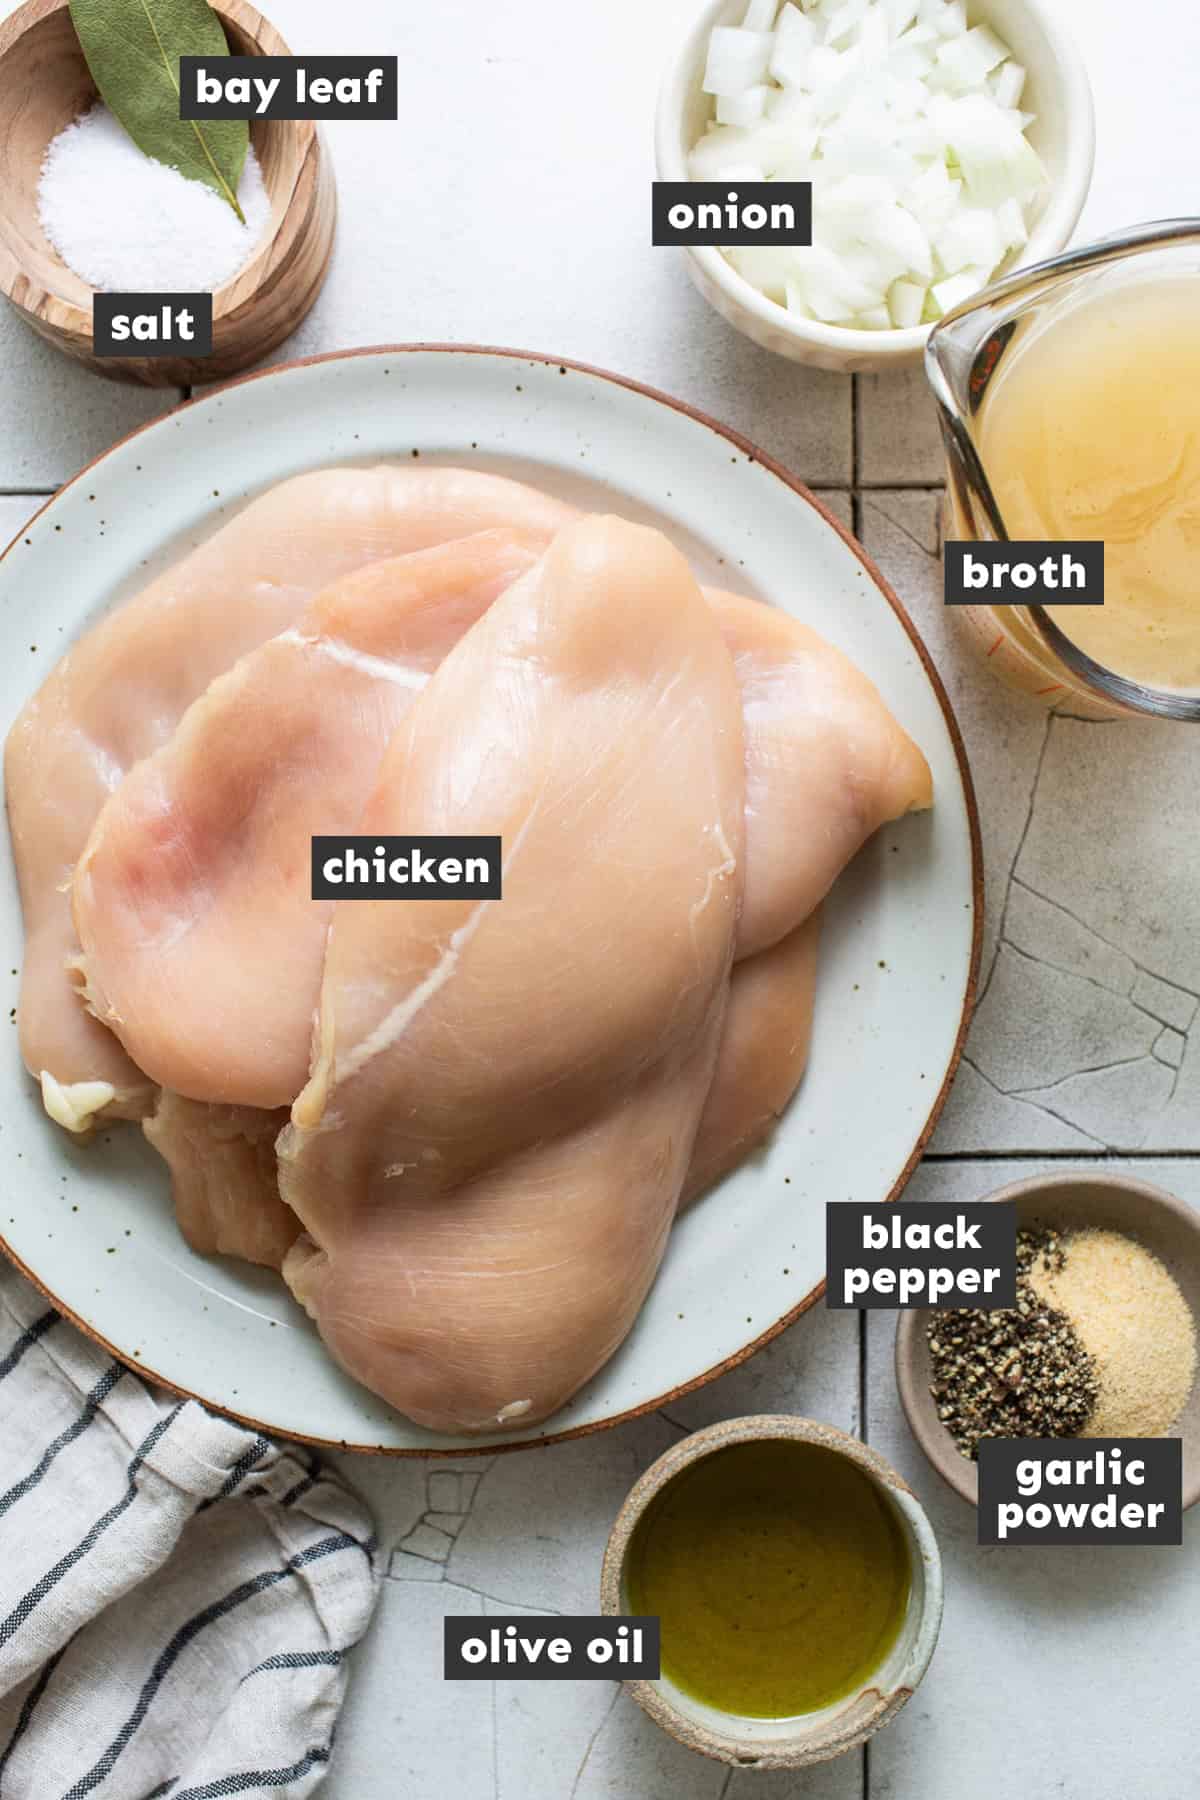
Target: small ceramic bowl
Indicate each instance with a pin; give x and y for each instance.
(1167, 1227)
(812, 1737)
(1056, 90)
(44, 84)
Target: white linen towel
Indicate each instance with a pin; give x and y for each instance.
(177, 1593)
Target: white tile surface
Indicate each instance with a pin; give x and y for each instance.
(1092, 920)
(1058, 1672)
(510, 205)
(532, 1539)
(519, 214)
(56, 416)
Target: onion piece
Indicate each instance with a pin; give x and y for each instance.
(746, 108)
(906, 303)
(905, 119)
(760, 15)
(955, 289)
(737, 59)
(1008, 84)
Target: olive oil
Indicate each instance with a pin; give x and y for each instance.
(780, 1575)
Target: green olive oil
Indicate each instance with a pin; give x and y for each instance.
(779, 1573)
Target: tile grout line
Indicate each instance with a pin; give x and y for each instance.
(855, 496)
(901, 487)
(1069, 1155)
(864, 1434)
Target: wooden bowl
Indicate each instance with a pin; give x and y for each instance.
(44, 84)
(1166, 1226)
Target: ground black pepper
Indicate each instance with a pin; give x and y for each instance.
(1017, 1372)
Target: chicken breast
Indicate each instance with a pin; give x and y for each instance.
(202, 944)
(222, 1158)
(119, 693)
(764, 1051)
(490, 1150)
(826, 765)
(851, 753)
(223, 1177)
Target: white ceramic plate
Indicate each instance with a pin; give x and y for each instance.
(92, 1224)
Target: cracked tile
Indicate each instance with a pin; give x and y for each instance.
(1037, 1024)
(403, 1729)
(393, 1487)
(404, 1567)
(1051, 935)
(628, 1741)
(978, 1113)
(1119, 1105)
(912, 514)
(451, 1522)
(545, 1730)
(1099, 846)
(1170, 1004)
(425, 1540)
(1092, 931)
(898, 436)
(1179, 1125)
(442, 1490)
(541, 1518)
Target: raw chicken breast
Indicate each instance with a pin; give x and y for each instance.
(119, 693)
(202, 944)
(765, 1044)
(489, 1153)
(764, 1049)
(826, 765)
(223, 1176)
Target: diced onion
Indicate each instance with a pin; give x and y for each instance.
(760, 15)
(737, 59)
(746, 108)
(1008, 84)
(905, 119)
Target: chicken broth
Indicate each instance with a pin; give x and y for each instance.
(1092, 430)
(780, 1576)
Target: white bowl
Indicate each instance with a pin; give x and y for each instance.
(1063, 135)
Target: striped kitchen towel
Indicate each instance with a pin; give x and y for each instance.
(177, 1594)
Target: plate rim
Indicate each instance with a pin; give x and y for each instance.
(756, 455)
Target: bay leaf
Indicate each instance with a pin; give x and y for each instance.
(133, 49)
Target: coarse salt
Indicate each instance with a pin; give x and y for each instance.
(128, 224)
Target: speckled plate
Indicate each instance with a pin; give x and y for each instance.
(92, 1224)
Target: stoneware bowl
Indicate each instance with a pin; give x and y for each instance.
(1056, 90)
(812, 1737)
(44, 84)
(1167, 1227)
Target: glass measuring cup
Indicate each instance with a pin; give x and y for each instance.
(966, 349)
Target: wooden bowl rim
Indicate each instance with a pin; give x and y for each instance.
(276, 246)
